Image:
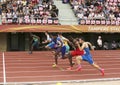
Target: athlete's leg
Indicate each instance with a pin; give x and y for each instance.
(63, 52)
(50, 46)
(91, 62)
(98, 67)
(70, 60)
(56, 57)
(56, 60)
(32, 46)
(31, 49)
(79, 60)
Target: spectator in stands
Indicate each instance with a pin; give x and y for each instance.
(27, 11)
(99, 43)
(55, 10)
(106, 12)
(116, 12)
(106, 46)
(118, 44)
(53, 14)
(97, 9)
(50, 6)
(91, 15)
(111, 16)
(15, 17)
(113, 45)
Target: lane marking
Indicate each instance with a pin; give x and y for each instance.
(31, 59)
(57, 70)
(68, 75)
(34, 63)
(4, 71)
(17, 67)
(66, 81)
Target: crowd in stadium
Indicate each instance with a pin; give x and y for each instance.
(45, 12)
(97, 11)
(29, 11)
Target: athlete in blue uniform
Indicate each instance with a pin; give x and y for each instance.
(57, 45)
(53, 41)
(59, 48)
(65, 43)
(87, 56)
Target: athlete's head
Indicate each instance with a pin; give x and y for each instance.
(59, 34)
(81, 39)
(46, 32)
(54, 35)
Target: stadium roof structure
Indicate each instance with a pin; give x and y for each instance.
(60, 28)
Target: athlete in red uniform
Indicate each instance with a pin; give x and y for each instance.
(75, 53)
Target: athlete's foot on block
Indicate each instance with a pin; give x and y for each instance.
(78, 69)
(54, 65)
(102, 71)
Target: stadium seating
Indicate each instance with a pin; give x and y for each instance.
(97, 12)
(29, 12)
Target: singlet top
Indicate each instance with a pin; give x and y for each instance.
(57, 41)
(87, 51)
(35, 39)
(65, 42)
(48, 38)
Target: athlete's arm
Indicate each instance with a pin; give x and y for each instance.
(80, 47)
(91, 46)
(73, 46)
(67, 41)
(60, 43)
(83, 46)
(48, 38)
(36, 37)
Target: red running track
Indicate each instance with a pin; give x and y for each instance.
(37, 67)
(1, 68)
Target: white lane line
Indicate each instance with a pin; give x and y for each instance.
(20, 62)
(65, 81)
(55, 70)
(4, 71)
(43, 60)
(63, 76)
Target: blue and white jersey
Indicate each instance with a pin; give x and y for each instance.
(58, 41)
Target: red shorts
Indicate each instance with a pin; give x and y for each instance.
(77, 52)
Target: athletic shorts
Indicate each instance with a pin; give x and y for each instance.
(35, 44)
(51, 45)
(87, 58)
(67, 49)
(61, 50)
(77, 52)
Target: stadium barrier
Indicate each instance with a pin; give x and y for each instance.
(39, 21)
(60, 28)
